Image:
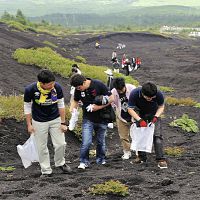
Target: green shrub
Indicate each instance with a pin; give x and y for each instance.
(197, 105)
(47, 58)
(109, 187)
(174, 151)
(7, 169)
(166, 89)
(16, 25)
(80, 59)
(182, 101)
(11, 107)
(50, 44)
(186, 124)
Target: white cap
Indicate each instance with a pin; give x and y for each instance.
(109, 72)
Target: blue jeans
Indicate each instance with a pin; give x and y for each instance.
(87, 130)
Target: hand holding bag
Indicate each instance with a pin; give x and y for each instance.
(142, 137)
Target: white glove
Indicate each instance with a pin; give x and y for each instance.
(90, 108)
(74, 119)
(105, 100)
(110, 125)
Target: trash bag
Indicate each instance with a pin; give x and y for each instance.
(74, 119)
(130, 68)
(142, 137)
(28, 152)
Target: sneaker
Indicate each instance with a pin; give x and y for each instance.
(127, 155)
(138, 160)
(103, 163)
(82, 166)
(66, 169)
(45, 175)
(162, 164)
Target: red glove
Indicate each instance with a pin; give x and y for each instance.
(154, 120)
(141, 123)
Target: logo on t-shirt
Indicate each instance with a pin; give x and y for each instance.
(94, 93)
(82, 94)
(37, 94)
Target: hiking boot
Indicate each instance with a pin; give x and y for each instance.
(138, 160)
(127, 155)
(45, 175)
(162, 164)
(82, 166)
(66, 169)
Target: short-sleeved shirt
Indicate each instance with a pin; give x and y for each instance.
(47, 111)
(87, 97)
(142, 106)
(124, 107)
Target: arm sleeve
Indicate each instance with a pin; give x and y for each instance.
(61, 103)
(160, 99)
(77, 96)
(59, 91)
(104, 90)
(27, 95)
(132, 99)
(27, 108)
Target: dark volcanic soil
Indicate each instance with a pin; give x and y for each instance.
(166, 61)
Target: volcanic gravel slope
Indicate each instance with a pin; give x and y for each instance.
(168, 62)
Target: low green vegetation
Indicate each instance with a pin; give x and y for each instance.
(47, 58)
(174, 151)
(80, 59)
(109, 187)
(21, 23)
(186, 124)
(181, 101)
(50, 44)
(7, 169)
(11, 107)
(166, 89)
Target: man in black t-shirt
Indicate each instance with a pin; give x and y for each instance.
(45, 113)
(94, 96)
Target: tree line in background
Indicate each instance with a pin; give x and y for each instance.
(136, 21)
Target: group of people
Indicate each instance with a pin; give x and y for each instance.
(45, 114)
(126, 64)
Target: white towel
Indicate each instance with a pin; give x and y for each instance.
(142, 138)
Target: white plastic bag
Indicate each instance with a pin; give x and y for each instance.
(74, 119)
(142, 137)
(28, 152)
(130, 68)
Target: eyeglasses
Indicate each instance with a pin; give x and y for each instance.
(148, 98)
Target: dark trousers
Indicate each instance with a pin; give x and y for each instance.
(126, 70)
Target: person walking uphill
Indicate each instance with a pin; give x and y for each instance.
(95, 97)
(121, 93)
(45, 113)
(146, 105)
